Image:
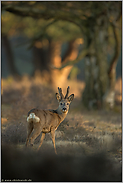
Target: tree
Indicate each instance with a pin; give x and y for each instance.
(109, 95)
(93, 20)
(46, 48)
(10, 56)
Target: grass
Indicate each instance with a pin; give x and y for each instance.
(82, 133)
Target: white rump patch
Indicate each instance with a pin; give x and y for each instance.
(33, 117)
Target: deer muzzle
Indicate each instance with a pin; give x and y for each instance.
(64, 109)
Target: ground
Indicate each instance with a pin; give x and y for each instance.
(82, 133)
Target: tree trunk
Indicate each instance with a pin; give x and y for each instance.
(96, 76)
(45, 60)
(59, 77)
(109, 98)
(10, 56)
(39, 58)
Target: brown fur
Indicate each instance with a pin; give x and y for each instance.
(48, 120)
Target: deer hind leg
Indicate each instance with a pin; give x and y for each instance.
(29, 131)
(53, 139)
(41, 141)
(36, 133)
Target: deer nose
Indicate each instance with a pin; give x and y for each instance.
(64, 109)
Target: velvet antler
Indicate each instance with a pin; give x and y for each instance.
(60, 93)
(68, 89)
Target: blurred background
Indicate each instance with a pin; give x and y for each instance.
(61, 41)
(46, 45)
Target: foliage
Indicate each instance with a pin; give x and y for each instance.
(35, 29)
(58, 20)
(82, 14)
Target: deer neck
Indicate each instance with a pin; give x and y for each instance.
(61, 114)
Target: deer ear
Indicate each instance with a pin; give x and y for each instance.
(58, 97)
(71, 97)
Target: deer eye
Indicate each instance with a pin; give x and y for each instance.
(67, 103)
(61, 103)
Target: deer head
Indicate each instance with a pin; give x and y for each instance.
(64, 102)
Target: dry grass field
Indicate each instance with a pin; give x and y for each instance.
(89, 143)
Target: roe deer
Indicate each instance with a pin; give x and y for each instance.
(47, 121)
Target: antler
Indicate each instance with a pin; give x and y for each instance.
(60, 93)
(68, 89)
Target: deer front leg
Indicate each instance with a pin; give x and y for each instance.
(41, 141)
(53, 139)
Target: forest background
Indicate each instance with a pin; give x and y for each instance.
(46, 45)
